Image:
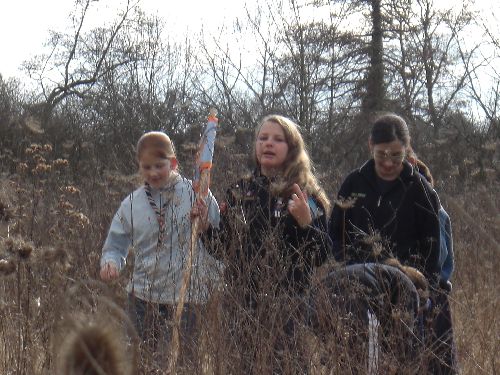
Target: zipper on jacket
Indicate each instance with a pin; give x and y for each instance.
(379, 199)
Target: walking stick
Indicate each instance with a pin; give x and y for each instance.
(201, 184)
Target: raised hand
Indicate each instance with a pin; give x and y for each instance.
(299, 208)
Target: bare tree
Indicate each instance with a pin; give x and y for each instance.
(375, 84)
(424, 59)
(483, 73)
(76, 62)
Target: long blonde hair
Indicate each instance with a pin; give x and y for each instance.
(297, 165)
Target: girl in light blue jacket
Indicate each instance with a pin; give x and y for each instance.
(155, 221)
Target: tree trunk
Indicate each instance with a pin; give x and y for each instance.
(375, 88)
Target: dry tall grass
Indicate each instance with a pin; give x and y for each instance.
(53, 309)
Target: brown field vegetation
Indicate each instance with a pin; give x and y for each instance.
(67, 159)
(55, 314)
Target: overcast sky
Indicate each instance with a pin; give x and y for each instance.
(24, 24)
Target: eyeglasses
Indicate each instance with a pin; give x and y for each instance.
(396, 157)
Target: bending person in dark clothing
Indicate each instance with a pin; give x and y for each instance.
(365, 309)
(386, 209)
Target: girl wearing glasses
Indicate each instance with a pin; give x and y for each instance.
(387, 212)
(387, 209)
(388, 202)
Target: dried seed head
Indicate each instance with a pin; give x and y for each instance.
(247, 175)
(279, 187)
(345, 203)
(93, 350)
(9, 244)
(33, 149)
(54, 254)
(71, 190)
(6, 267)
(41, 168)
(18, 247)
(25, 250)
(189, 146)
(22, 168)
(396, 314)
(39, 159)
(372, 239)
(65, 205)
(60, 163)
(377, 249)
(5, 212)
(78, 218)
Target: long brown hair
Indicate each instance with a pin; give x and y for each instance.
(297, 165)
(390, 127)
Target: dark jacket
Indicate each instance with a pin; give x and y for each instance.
(262, 246)
(405, 218)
